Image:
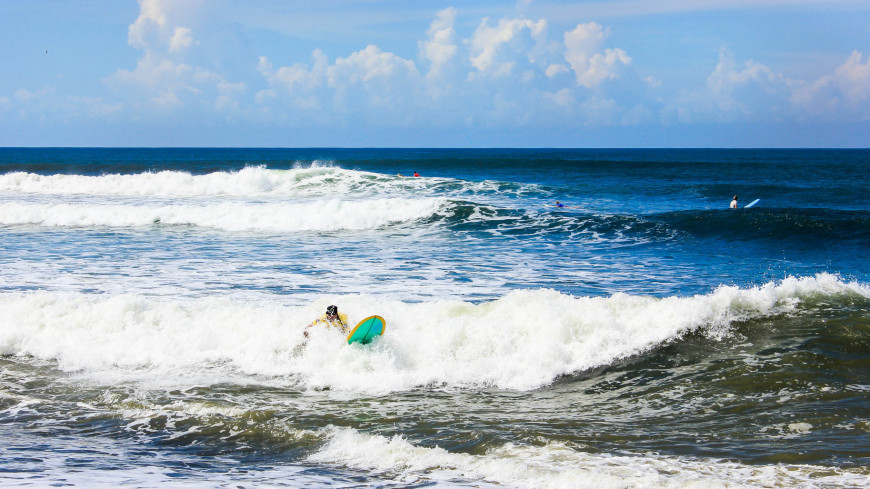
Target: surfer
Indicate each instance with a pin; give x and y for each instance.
(734, 203)
(332, 319)
(559, 204)
(416, 174)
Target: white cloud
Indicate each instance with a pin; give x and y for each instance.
(298, 77)
(555, 70)
(265, 96)
(582, 52)
(563, 98)
(755, 92)
(379, 86)
(163, 79)
(157, 27)
(23, 95)
(495, 73)
(180, 40)
(441, 48)
(229, 93)
(155, 73)
(727, 77)
(96, 107)
(844, 92)
(496, 49)
(734, 93)
(368, 66)
(652, 81)
(853, 78)
(151, 17)
(505, 72)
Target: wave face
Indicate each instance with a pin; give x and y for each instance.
(153, 304)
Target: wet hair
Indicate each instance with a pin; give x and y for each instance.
(331, 310)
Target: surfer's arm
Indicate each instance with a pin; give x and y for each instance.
(316, 321)
(343, 325)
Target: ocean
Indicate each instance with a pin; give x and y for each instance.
(153, 302)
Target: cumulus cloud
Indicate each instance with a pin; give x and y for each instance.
(508, 72)
(496, 49)
(853, 78)
(496, 75)
(372, 78)
(368, 66)
(299, 77)
(847, 91)
(163, 79)
(180, 40)
(731, 93)
(441, 46)
(583, 53)
(152, 18)
(756, 93)
(157, 27)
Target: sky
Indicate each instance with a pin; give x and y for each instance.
(401, 73)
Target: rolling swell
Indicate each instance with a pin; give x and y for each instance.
(812, 226)
(809, 227)
(471, 218)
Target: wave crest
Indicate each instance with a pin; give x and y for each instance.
(521, 341)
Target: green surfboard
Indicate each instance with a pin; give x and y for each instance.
(366, 330)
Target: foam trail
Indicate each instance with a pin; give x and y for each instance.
(559, 466)
(318, 215)
(521, 341)
(255, 182)
(250, 181)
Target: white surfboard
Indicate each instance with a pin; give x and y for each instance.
(751, 203)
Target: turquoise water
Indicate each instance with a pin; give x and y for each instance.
(644, 335)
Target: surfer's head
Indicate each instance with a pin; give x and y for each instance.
(331, 311)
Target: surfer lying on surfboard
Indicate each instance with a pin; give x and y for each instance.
(332, 319)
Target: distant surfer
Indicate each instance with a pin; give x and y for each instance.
(332, 319)
(416, 174)
(559, 204)
(734, 203)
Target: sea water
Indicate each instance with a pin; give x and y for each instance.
(153, 302)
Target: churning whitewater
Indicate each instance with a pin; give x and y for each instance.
(506, 343)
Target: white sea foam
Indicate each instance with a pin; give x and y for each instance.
(522, 341)
(250, 181)
(557, 466)
(312, 215)
(261, 182)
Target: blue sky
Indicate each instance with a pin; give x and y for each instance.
(359, 73)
